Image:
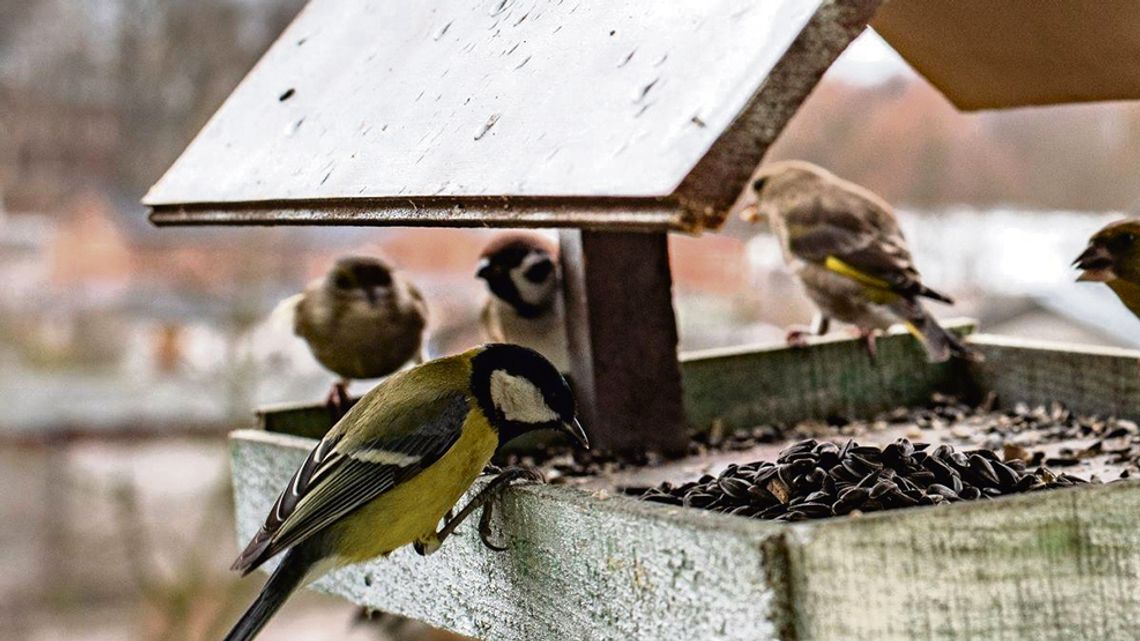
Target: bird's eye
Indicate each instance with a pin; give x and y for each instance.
(343, 282)
(1121, 242)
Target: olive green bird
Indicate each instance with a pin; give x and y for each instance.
(396, 464)
(1112, 257)
(843, 243)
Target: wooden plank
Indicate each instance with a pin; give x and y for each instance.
(297, 419)
(1064, 52)
(578, 566)
(1055, 566)
(716, 181)
(445, 98)
(833, 376)
(1050, 566)
(1089, 380)
(629, 214)
(740, 388)
(623, 340)
(744, 387)
(429, 113)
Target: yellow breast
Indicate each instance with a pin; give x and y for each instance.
(414, 509)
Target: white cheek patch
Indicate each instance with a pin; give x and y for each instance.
(533, 293)
(519, 399)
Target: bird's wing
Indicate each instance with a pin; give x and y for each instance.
(857, 239)
(285, 313)
(336, 479)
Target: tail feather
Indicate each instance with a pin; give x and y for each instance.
(940, 344)
(284, 580)
(926, 292)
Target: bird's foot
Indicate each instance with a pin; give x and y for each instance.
(868, 337)
(484, 499)
(337, 400)
(797, 336)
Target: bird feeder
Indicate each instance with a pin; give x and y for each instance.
(619, 123)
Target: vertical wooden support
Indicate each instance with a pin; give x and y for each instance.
(623, 339)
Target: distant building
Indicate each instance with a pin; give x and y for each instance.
(25, 257)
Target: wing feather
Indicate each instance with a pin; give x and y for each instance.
(856, 238)
(336, 479)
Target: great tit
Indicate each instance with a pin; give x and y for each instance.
(1112, 257)
(398, 461)
(843, 243)
(361, 320)
(525, 301)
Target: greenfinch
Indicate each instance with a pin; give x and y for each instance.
(1112, 257)
(843, 243)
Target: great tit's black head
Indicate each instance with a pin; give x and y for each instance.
(1113, 252)
(360, 277)
(522, 271)
(520, 391)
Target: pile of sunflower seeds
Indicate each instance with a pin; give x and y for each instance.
(812, 479)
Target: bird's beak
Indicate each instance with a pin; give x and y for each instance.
(1096, 263)
(748, 208)
(1097, 275)
(484, 269)
(750, 213)
(574, 429)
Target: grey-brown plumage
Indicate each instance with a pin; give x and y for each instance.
(847, 249)
(361, 320)
(525, 302)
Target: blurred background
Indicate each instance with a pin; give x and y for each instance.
(127, 352)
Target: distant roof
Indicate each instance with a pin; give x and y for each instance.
(616, 114)
(989, 54)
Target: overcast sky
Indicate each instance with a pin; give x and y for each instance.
(869, 60)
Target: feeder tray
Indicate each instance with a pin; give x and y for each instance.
(587, 562)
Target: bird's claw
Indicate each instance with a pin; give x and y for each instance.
(868, 338)
(797, 337)
(483, 499)
(337, 401)
(485, 528)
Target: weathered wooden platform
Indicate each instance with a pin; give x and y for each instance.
(587, 563)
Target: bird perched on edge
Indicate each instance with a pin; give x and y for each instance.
(525, 302)
(361, 320)
(396, 463)
(1112, 257)
(843, 243)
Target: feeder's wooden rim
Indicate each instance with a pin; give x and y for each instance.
(962, 325)
(628, 214)
(1052, 346)
(685, 515)
(604, 566)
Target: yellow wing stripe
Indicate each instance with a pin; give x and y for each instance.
(914, 331)
(843, 269)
